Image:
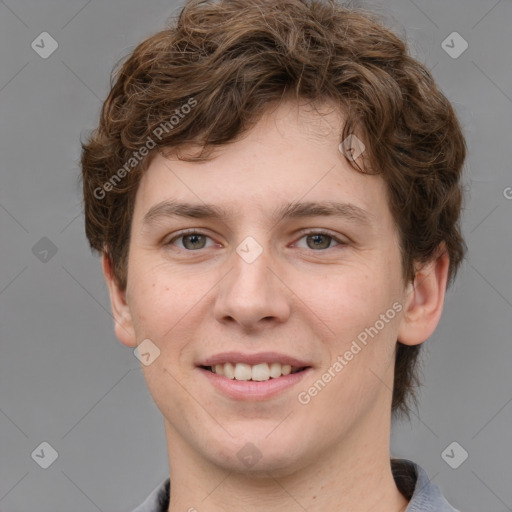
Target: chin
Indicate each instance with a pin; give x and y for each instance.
(256, 456)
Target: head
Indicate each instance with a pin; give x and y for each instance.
(249, 106)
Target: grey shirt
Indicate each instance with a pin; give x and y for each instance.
(411, 480)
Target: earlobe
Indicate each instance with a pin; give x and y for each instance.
(123, 324)
(424, 300)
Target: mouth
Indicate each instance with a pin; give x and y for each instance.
(260, 382)
(256, 373)
(259, 376)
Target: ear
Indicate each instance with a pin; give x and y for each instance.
(123, 323)
(425, 299)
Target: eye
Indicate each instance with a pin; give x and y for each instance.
(320, 240)
(195, 240)
(191, 240)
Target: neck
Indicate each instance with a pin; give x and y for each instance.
(350, 476)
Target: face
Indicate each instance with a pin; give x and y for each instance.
(284, 253)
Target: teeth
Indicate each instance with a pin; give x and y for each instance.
(242, 371)
(258, 372)
(275, 370)
(229, 370)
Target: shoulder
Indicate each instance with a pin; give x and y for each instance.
(413, 482)
(158, 500)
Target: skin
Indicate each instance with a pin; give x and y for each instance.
(295, 298)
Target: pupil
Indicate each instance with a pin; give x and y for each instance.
(317, 241)
(195, 240)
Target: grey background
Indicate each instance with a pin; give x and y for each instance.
(64, 377)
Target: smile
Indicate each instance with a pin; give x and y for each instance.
(257, 372)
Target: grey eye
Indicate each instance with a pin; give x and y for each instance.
(318, 240)
(194, 241)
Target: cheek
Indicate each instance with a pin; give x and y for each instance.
(162, 313)
(358, 323)
(347, 301)
(168, 308)
(155, 306)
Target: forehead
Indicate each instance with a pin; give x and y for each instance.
(291, 154)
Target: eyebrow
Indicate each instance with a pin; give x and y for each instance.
(169, 209)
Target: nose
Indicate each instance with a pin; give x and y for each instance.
(252, 295)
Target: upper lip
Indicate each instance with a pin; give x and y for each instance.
(252, 359)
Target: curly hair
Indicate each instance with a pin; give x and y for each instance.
(210, 76)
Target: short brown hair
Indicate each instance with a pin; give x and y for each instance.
(230, 60)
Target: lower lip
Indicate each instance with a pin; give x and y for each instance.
(253, 390)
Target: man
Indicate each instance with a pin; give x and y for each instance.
(275, 190)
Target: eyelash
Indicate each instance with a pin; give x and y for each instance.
(304, 234)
